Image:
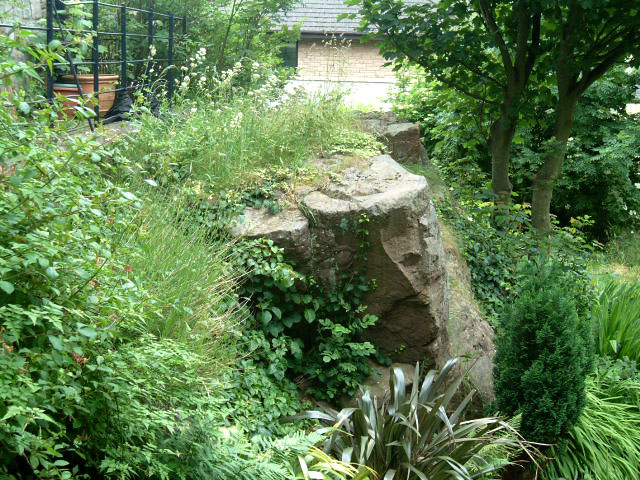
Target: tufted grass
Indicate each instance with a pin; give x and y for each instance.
(222, 144)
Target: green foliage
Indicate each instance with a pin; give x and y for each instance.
(318, 331)
(120, 314)
(495, 246)
(187, 274)
(617, 319)
(605, 443)
(543, 353)
(415, 434)
(601, 167)
(456, 130)
(84, 390)
(221, 148)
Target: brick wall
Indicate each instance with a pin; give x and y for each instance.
(342, 60)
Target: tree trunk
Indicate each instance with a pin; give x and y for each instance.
(546, 177)
(221, 57)
(502, 133)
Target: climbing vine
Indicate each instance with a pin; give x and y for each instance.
(320, 330)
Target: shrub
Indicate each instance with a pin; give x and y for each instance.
(543, 353)
(605, 443)
(617, 318)
(601, 170)
(496, 246)
(416, 434)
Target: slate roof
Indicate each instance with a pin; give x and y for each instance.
(321, 16)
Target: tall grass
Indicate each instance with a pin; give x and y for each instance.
(605, 444)
(188, 275)
(617, 317)
(221, 144)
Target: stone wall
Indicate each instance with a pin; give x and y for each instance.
(342, 60)
(25, 12)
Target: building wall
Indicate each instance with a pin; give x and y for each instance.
(340, 60)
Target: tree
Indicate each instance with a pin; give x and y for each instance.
(543, 353)
(496, 52)
(584, 39)
(485, 50)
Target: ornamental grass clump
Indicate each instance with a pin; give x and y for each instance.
(605, 443)
(416, 433)
(617, 316)
(543, 353)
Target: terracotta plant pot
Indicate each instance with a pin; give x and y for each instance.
(69, 90)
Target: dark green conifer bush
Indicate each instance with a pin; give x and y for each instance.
(544, 352)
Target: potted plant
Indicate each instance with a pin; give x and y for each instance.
(73, 87)
(69, 89)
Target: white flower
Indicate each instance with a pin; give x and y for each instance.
(203, 79)
(637, 185)
(194, 110)
(184, 68)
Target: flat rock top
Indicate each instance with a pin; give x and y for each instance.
(384, 182)
(380, 184)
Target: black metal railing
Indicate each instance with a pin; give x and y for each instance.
(55, 25)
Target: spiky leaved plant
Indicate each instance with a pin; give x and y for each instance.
(417, 433)
(617, 317)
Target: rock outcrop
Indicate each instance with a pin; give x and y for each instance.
(406, 256)
(402, 138)
(469, 333)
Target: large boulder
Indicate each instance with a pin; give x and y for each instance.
(469, 333)
(406, 256)
(402, 138)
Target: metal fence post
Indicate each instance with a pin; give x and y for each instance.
(50, 7)
(184, 25)
(150, 28)
(171, 75)
(123, 47)
(96, 59)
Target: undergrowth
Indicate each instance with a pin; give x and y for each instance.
(125, 350)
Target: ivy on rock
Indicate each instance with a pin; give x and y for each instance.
(320, 329)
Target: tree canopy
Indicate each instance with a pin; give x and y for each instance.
(501, 53)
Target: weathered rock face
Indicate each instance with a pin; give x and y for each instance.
(406, 257)
(401, 137)
(469, 333)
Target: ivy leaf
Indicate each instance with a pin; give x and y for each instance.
(51, 272)
(7, 287)
(309, 315)
(274, 329)
(24, 108)
(265, 317)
